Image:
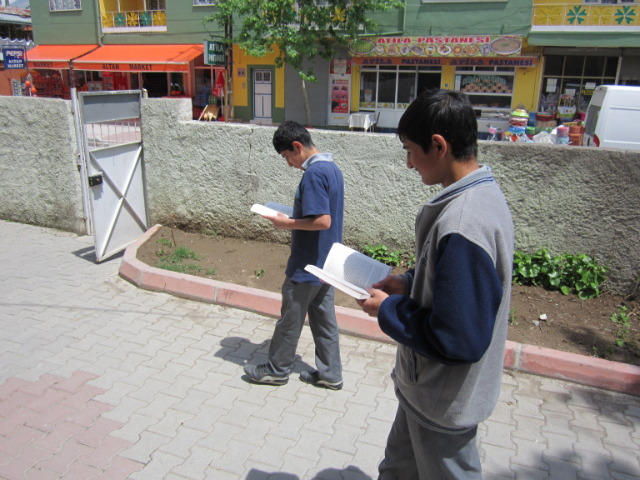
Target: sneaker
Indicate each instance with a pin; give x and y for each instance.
(263, 374)
(313, 378)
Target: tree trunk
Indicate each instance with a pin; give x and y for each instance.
(305, 101)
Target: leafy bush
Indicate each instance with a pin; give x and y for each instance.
(563, 272)
(383, 254)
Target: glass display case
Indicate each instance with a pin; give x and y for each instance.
(487, 89)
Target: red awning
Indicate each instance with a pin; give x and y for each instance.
(56, 56)
(140, 58)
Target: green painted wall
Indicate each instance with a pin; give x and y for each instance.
(457, 18)
(74, 27)
(184, 25)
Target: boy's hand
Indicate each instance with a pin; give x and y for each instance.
(391, 285)
(372, 304)
(281, 222)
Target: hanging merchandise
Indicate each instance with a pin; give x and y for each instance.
(566, 107)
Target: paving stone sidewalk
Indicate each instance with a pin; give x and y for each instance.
(101, 380)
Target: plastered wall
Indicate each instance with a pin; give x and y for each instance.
(207, 175)
(39, 180)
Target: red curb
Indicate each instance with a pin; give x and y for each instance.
(247, 298)
(131, 270)
(594, 372)
(357, 323)
(511, 353)
(584, 370)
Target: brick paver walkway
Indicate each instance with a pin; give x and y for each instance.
(101, 380)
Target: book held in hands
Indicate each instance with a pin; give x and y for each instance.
(350, 271)
(272, 209)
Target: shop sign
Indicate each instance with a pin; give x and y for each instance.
(441, 61)
(340, 66)
(450, 46)
(339, 95)
(130, 67)
(13, 58)
(214, 53)
(16, 88)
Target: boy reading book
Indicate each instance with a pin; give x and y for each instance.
(450, 314)
(316, 224)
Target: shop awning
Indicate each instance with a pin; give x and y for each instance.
(140, 58)
(56, 56)
(584, 39)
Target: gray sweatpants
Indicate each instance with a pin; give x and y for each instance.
(297, 300)
(417, 453)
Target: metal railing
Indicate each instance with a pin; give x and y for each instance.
(110, 134)
(564, 15)
(135, 19)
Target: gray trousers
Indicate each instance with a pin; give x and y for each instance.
(297, 300)
(417, 453)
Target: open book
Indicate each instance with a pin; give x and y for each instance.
(272, 209)
(350, 271)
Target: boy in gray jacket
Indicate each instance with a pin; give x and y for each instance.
(449, 315)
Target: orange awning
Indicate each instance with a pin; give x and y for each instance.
(56, 56)
(140, 58)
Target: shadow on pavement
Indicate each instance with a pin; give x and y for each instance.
(351, 472)
(242, 351)
(89, 254)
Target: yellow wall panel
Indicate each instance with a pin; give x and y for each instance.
(241, 60)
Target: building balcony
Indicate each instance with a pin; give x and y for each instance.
(134, 21)
(585, 18)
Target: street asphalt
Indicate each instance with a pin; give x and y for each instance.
(100, 379)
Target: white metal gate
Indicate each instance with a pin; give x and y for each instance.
(112, 168)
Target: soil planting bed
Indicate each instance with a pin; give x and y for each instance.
(571, 325)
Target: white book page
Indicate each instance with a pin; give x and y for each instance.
(341, 285)
(354, 267)
(278, 207)
(262, 210)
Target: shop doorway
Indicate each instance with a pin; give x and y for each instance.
(156, 84)
(262, 93)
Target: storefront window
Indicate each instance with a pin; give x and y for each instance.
(395, 87)
(368, 91)
(178, 83)
(569, 81)
(486, 87)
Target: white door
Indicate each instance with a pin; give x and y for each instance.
(262, 94)
(114, 169)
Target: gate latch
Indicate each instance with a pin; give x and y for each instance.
(95, 179)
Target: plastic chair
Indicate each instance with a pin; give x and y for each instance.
(374, 117)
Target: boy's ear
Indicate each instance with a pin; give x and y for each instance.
(440, 144)
(297, 146)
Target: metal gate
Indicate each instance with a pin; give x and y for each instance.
(112, 168)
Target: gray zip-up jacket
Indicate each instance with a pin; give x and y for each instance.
(451, 325)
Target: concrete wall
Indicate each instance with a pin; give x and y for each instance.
(39, 180)
(569, 199)
(207, 175)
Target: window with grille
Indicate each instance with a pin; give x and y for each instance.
(55, 5)
(157, 5)
(203, 2)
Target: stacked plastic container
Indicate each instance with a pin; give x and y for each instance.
(562, 135)
(518, 123)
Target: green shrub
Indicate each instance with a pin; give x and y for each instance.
(383, 254)
(564, 272)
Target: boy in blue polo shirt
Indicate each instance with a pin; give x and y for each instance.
(316, 225)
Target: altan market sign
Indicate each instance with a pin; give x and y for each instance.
(458, 50)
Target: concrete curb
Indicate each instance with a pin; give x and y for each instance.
(581, 369)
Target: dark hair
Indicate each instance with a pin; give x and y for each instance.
(442, 112)
(289, 132)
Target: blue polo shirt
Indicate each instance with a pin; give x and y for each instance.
(320, 192)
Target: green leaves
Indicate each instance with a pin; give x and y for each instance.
(563, 272)
(383, 254)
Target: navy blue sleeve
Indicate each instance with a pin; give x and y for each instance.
(467, 292)
(314, 193)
